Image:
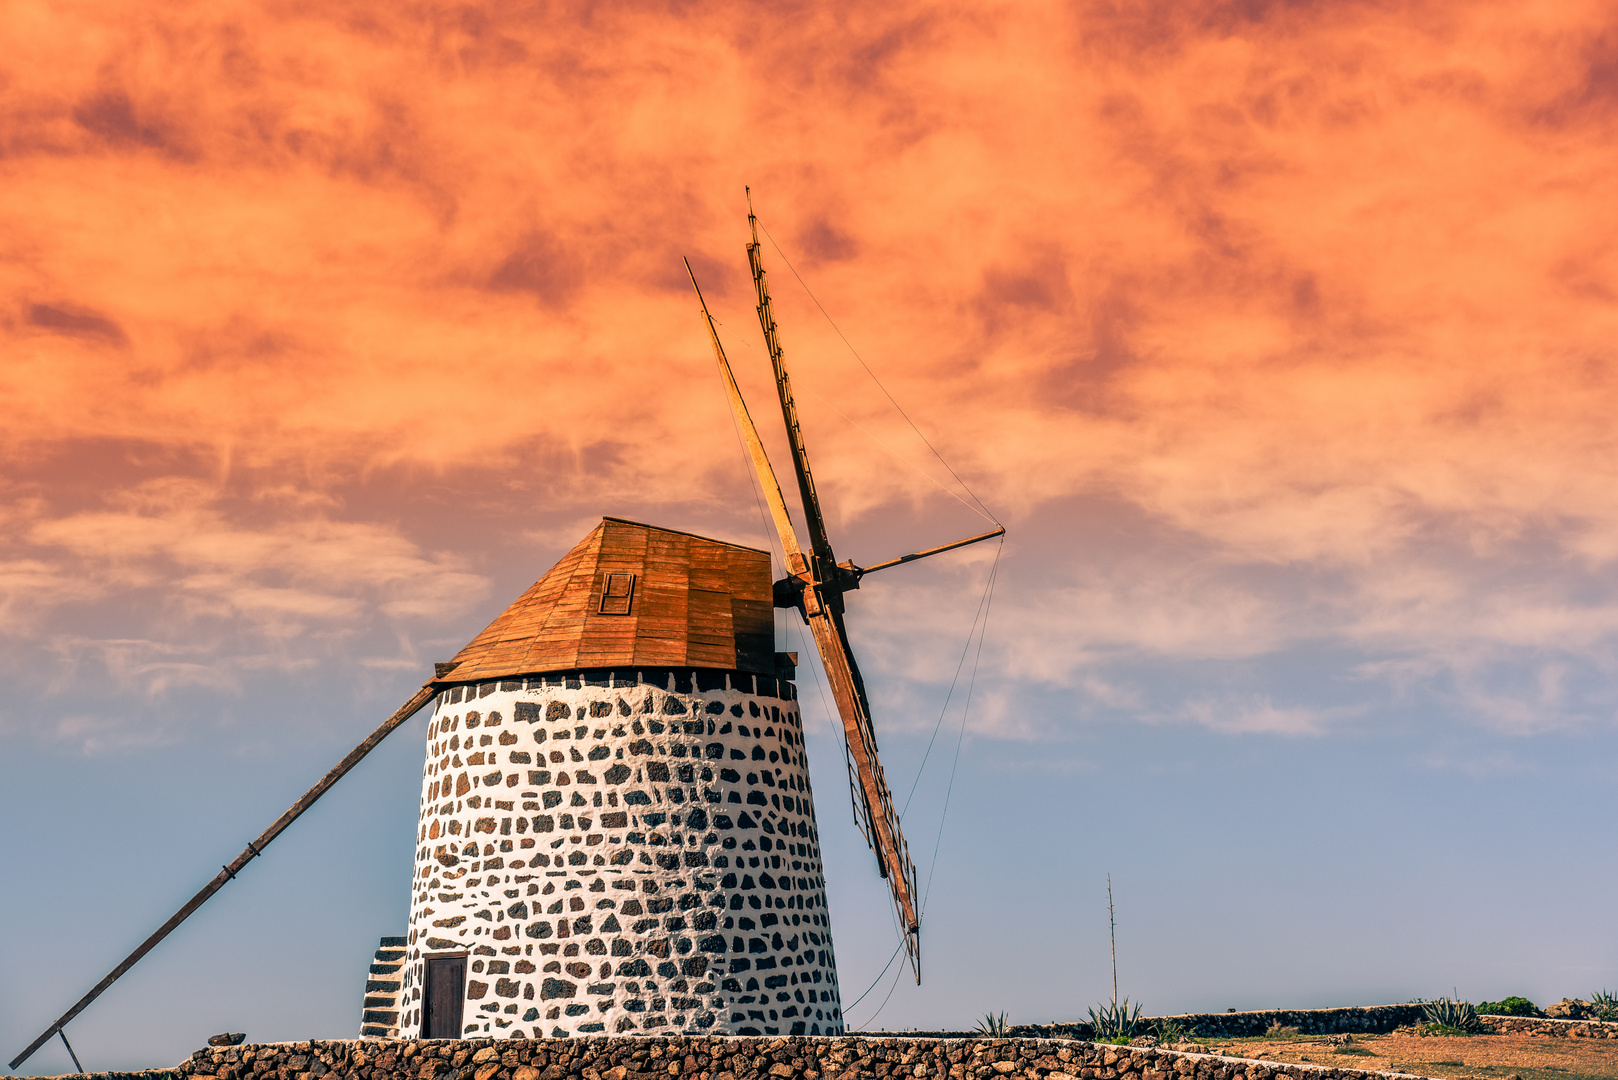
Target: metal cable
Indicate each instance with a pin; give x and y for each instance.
(965, 648)
(872, 374)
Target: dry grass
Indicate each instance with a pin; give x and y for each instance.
(1471, 1057)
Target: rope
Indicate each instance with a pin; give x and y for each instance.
(885, 1000)
(983, 614)
(965, 648)
(872, 374)
(970, 686)
(878, 979)
(900, 457)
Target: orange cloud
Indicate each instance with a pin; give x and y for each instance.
(1310, 284)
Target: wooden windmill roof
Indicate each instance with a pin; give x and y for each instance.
(633, 595)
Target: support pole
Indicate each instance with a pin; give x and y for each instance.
(226, 873)
(70, 1052)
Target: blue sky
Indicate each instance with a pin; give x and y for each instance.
(1279, 336)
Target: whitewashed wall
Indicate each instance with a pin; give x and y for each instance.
(622, 858)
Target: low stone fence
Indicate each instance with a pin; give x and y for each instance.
(1357, 1020)
(1533, 1025)
(734, 1058)
(1362, 1020)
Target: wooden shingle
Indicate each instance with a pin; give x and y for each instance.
(696, 603)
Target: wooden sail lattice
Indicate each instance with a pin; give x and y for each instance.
(815, 584)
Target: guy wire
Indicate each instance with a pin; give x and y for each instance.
(878, 979)
(872, 1018)
(872, 374)
(970, 686)
(966, 647)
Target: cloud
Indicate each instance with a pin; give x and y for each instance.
(1324, 294)
(28, 586)
(1255, 716)
(170, 588)
(145, 668)
(293, 573)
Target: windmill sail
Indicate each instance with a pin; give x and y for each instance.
(815, 585)
(822, 606)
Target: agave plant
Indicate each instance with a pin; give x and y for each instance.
(993, 1026)
(1449, 1013)
(1604, 1004)
(1114, 1020)
(1169, 1032)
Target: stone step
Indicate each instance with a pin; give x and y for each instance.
(379, 1014)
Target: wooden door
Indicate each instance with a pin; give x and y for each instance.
(446, 990)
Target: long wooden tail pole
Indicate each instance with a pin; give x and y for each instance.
(355, 756)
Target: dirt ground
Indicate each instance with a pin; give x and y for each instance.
(1483, 1057)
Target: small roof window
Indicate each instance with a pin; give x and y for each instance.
(617, 593)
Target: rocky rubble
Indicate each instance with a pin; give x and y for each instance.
(1572, 1009)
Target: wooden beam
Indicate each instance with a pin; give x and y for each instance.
(755, 445)
(227, 873)
(861, 571)
(813, 519)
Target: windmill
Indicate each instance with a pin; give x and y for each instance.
(815, 585)
(617, 830)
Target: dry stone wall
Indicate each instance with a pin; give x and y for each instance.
(731, 1058)
(1368, 1019)
(623, 852)
(1530, 1025)
(1358, 1019)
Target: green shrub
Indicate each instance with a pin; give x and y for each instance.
(1114, 1021)
(1276, 1031)
(1604, 1004)
(1511, 1006)
(993, 1026)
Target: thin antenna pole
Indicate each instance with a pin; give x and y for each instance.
(1112, 935)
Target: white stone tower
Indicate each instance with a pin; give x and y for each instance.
(617, 830)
